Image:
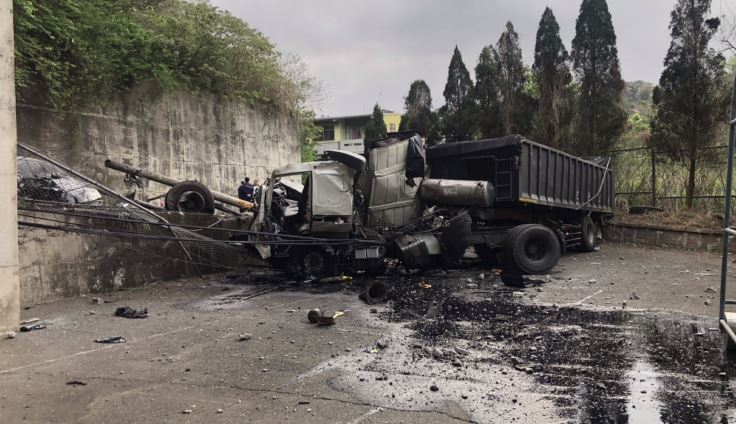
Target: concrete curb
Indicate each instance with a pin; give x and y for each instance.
(700, 239)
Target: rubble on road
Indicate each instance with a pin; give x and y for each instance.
(32, 327)
(128, 312)
(111, 340)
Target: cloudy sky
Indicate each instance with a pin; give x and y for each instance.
(365, 52)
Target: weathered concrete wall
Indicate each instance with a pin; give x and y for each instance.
(216, 141)
(687, 239)
(9, 287)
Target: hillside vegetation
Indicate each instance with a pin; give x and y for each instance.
(84, 51)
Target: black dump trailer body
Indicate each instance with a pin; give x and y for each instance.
(526, 173)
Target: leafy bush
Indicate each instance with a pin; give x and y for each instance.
(77, 51)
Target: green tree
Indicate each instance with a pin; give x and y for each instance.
(80, 52)
(555, 108)
(487, 75)
(375, 129)
(690, 101)
(512, 76)
(418, 115)
(456, 116)
(600, 117)
(308, 132)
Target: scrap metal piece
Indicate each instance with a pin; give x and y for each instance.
(375, 292)
(111, 340)
(329, 319)
(313, 314)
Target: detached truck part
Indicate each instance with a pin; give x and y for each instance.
(190, 195)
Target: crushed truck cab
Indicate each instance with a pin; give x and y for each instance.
(317, 232)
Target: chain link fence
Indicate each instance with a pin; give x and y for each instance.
(648, 177)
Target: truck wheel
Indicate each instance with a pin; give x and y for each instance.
(534, 249)
(588, 233)
(312, 263)
(190, 197)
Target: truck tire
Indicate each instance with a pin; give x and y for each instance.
(588, 233)
(190, 197)
(533, 248)
(313, 263)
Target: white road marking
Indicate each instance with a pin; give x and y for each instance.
(52, 360)
(366, 415)
(588, 297)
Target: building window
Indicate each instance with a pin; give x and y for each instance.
(391, 127)
(353, 132)
(328, 133)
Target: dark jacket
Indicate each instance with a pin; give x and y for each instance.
(245, 192)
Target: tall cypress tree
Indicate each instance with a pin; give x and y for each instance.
(487, 75)
(601, 118)
(511, 81)
(418, 115)
(554, 113)
(457, 113)
(690, 101)
(375, 129)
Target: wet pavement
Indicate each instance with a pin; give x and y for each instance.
(593, 364)
(447, 347)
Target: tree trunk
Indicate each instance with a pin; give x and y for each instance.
(690, 184)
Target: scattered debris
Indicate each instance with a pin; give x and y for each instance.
(424, 285)
(313, 314)
(244, 336)
(434, 388)
(329, 319)
(220, 410)
(76, 383)
(708, 302)
(186, 411)
(98, 300)
(30, 321)
(113, 339)
(382, 343)
(592, 281)
(711, 289)
(634, 295)
(29, 327)
(375, 292)
(128, 312)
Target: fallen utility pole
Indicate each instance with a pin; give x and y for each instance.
(116, 195)
(216, 195)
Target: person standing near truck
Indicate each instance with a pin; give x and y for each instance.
(245, 191)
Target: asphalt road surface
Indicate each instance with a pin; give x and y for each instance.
(626, 334)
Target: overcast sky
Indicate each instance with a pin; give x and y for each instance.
(365, 52)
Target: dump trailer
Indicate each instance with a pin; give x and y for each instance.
(526, 202)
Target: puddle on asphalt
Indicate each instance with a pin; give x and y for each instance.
(594, 365)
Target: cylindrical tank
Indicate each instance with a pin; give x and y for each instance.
(458, 192)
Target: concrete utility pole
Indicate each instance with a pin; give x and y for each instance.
(9, 281)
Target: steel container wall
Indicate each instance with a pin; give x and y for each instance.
(525, 172)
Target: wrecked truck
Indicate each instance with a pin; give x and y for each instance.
(518, 203)
(527, 202)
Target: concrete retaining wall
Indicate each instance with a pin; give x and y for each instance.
(688, 239)
(216, 141)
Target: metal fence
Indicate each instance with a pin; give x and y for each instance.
(648, 177)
